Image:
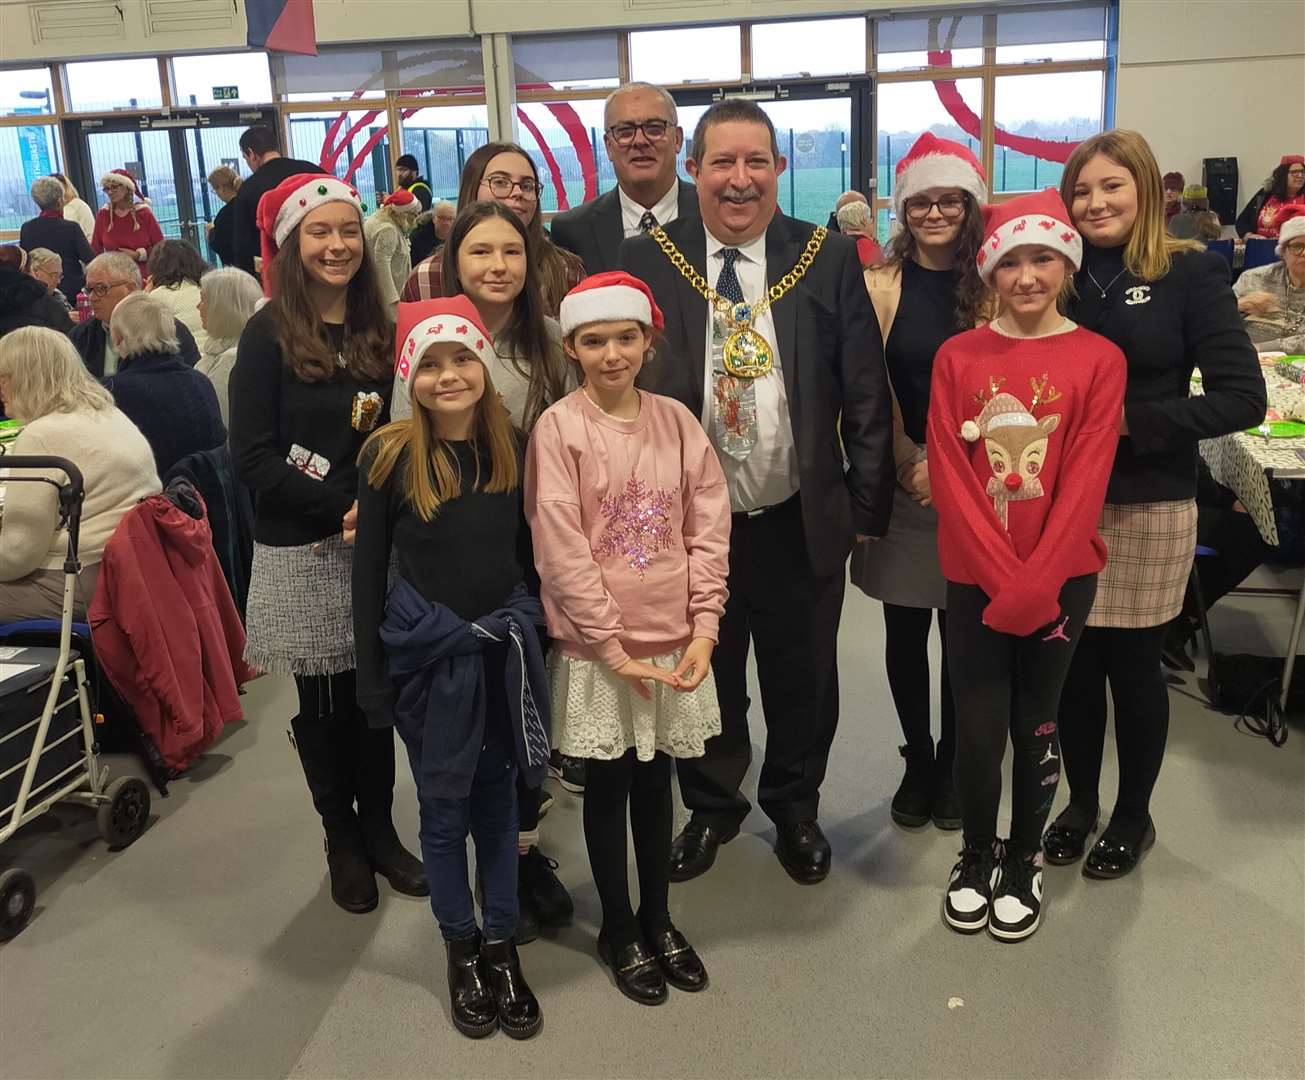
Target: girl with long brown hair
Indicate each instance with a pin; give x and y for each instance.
(311, 380)
(450, 654)
(1167, 304)
(927, 291)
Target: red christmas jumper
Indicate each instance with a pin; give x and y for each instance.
(1018, 503)
(129, 232)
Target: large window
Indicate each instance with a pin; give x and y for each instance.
(905, 43)
(703, 54)
(200, 79)
(789, 50)
(566, 61)
(1062, 107)
(353, 145)
(108, 85)
(441, 139)
(26, 153)
(25, 90)
(565, 138)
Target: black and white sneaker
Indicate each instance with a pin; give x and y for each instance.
(569, 771)
(969, 892)
(1017, 898)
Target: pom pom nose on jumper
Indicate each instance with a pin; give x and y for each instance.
(1014, 481)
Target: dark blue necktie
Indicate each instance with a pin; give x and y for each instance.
(728, 282)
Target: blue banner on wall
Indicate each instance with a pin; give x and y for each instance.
(34, 149)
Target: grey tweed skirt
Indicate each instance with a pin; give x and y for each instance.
(299, 619)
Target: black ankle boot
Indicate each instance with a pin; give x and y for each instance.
(389, 858)
(518, 1009)
(372, 764)
(353, 886)
(911, 805)
(470, 999)
(946, 809)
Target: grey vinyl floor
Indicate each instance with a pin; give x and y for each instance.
(211, 947)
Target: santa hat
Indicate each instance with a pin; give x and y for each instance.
(282, 209)
(608, 297)
(1039, 219)
(937, 163)
(1292, 159)
(121, 176)
(1290, 223)
(421, 325)
(403, 201)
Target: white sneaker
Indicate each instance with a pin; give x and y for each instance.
(970, 889)
(1017, 899)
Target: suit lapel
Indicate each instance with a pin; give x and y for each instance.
(687, 235)
(688, 202)
(782, 252)
(609, 228)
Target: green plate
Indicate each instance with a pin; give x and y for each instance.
(1281, 429)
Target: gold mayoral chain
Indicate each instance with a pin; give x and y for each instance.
(747, 355)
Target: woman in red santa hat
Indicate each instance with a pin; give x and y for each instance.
(125, 223)
(387, 232)
(1023, 425)
(630, 516)
(928, 291)
(310, 382)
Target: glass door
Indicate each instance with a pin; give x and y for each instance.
(821, 130)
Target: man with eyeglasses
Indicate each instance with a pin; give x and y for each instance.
(109, 278)
(643, 140)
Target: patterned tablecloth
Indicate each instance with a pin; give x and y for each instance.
(1245, 463)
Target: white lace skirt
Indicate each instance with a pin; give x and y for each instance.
(598, 715)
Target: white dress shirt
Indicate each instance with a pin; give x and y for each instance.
(666, 209)
(769, 474)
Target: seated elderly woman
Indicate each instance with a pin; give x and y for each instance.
(175, 407)
(228, 297)
(46, 266)
(1272, 298)
(66, 413)
(856, 219)
(175, 268)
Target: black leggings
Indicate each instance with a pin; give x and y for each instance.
(1129, 660)
(645, 786)
(906, 655)
(1009, 684)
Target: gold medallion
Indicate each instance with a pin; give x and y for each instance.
(746, 354)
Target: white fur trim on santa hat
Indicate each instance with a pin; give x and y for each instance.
(608, 304)
(1041, 230)
(319, 191)
(1288, 231)
(937, 171)
(120, 176)
(436, 328)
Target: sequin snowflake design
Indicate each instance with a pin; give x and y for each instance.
(638, 524)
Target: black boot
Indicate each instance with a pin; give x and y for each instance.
(914, 799)
(470, 998)
(946, 802)
(539, 887)
(375, 791)
(352, 885)
(518, 1008)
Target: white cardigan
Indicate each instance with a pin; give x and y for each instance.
(117, 466)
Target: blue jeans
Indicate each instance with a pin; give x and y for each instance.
(489, 813)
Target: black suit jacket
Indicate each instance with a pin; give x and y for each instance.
(832, 359)
(595, 231)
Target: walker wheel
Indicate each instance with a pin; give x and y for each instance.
(123, 816)
(1275, 723)
(17, 901)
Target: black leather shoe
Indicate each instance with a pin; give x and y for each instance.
(637, 972)
(548, 896)
(1063, 843)
(803, 851)
(518, 1009)
(389, 858)
(914, 795)
(694, 850)
(680, 964)
(472, 1002)
(353, 887)
(1113, 856)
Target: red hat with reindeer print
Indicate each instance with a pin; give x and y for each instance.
(449, 318)
(1039, 219)
(282, 209)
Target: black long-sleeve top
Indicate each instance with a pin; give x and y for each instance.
(285, 431)
(469, 557)
(926, 317)
(1187, 319)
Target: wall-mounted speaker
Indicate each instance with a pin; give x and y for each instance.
(1219, 175)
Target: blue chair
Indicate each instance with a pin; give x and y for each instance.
(1259, 252)
(1222, 248)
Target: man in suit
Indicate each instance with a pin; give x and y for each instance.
(806, 450)
(262, 154)
(643, 139)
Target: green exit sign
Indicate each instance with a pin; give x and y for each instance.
(226, 93)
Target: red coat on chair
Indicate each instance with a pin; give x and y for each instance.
(166, 630)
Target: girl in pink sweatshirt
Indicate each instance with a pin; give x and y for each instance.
(630, 516)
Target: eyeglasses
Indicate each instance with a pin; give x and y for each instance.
(105, 288)
(1296, 248)
(653, 131)
(950, 206)
(501, 186)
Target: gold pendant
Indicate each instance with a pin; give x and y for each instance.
(747, 354)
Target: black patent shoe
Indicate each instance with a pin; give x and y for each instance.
(680, 963)
(637, 972)
(519, 1014)
(803, 851)
(470, 998)
(1113, 856)
(353, 886)
(914, 795)
(389, 858)
(694, 850)
(1064, 844)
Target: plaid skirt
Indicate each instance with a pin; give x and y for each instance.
(1150, 547)
(299, 619)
